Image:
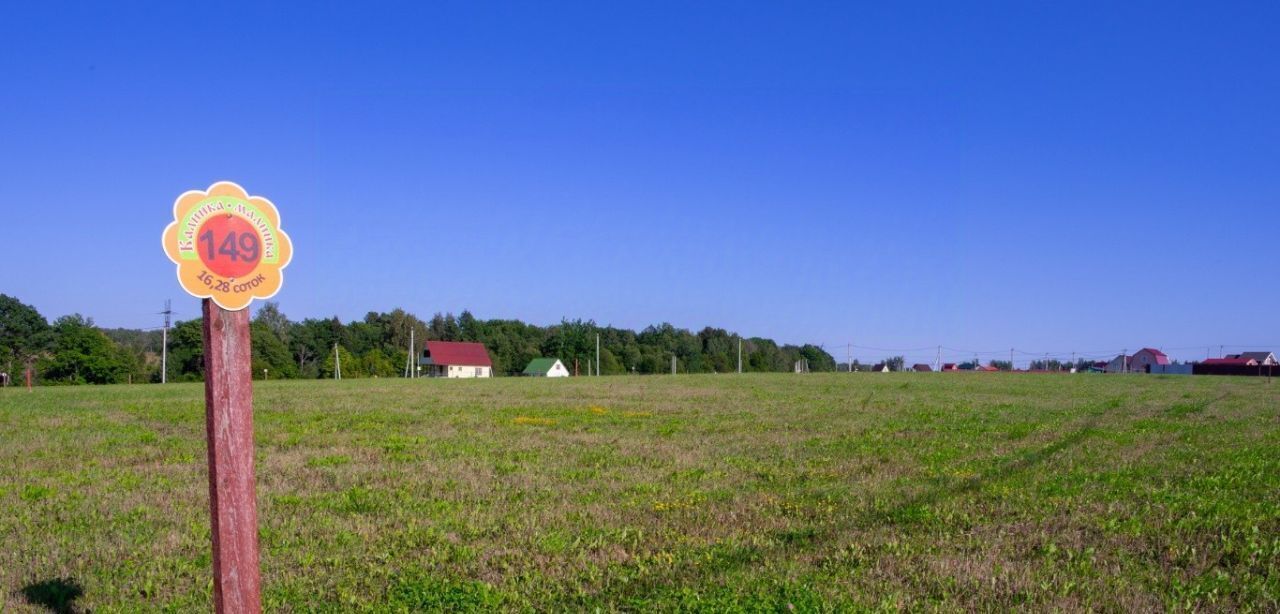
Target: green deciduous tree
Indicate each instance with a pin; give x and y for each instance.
(24, 335)
(270, 316)
(84, 354)
(186, 351)
(270, 353)
(896, 363)
(375, 363)
(350, 366)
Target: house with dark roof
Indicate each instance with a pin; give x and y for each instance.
(921, 368)
(456, 359)
(1119, 364)
(1263, 358)
(1144, 359)
(545, 367)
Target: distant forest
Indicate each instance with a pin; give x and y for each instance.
(72, 350)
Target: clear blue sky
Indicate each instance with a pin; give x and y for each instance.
(1054, 178)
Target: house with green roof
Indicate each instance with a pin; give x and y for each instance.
(546, 367)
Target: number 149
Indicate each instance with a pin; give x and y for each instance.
(235, 246)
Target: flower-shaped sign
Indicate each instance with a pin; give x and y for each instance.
(228, 245)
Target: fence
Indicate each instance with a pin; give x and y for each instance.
(1257, 371)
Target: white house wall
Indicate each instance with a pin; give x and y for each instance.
(463, 372)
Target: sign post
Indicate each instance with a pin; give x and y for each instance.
(229, 249)
(233, 506)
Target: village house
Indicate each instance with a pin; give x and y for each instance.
(1119, 364)
(545, 367)
(1235, 360)
(1144, 359)
(1262, 358)
(456, 359)
(921, 368)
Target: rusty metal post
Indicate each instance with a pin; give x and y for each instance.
(233, 507)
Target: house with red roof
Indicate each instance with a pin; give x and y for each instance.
(456, 359)
(1144, 359)
(1236, 360)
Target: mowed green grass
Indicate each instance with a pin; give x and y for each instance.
(714, 493)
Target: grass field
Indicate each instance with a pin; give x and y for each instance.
(716, 493)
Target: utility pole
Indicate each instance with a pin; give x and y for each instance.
(337, 362)
(408, 360)
(937, 361)
(673, 364)
(164, 343)
(597, 353)
(1011, 359)
(739, 354)
(1124, 360)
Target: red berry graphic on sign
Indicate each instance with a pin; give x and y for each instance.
(229, 246)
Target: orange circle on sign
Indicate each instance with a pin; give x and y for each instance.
(229, 246)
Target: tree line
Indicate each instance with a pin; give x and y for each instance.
(72, 350)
